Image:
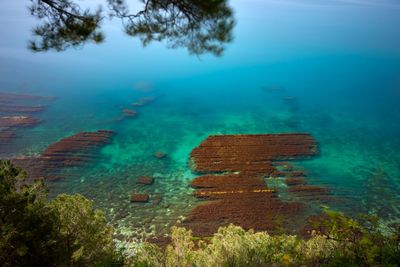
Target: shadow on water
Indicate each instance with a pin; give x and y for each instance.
(198, 25)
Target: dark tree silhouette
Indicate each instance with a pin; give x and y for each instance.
(202, 26)
(63, 25)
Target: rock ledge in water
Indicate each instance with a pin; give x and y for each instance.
(160, 154)
(143, 198)
(130, 113)
(146, 180)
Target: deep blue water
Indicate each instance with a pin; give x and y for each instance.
(337, 62)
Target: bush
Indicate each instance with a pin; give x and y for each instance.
(342, 242)
(85, 237)
(28, 227)
(66, 231)
(360, 242)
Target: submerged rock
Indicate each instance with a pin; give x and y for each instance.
(308, 189)
(21, 109)
(285, 166)
(160, 154)
(139, 198)
(250, 153)
(12, 104)
(21, 103)
(233, 185)
(291, 174)
(129, 113)
(295, 181)
(18, 121)
(146, 180)
(6, 134)
(12, 97)
(143, 101)
(72, 151)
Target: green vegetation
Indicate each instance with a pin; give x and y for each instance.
(27, 226)
(67, 231)
(233, 246)
(343, 242)
(84, 232)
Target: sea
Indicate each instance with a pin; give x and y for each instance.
(330, 68)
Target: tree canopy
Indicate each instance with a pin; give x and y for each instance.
(201, 26)
(28, 230)
(66, 231)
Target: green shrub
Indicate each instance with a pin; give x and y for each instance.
(85, 236)
(147, 255)
(28, 227)
(343, 242)
(66, 231)
(361, 242)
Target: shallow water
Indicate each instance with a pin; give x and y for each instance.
(329, 68)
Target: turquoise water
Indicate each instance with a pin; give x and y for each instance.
(336, 65)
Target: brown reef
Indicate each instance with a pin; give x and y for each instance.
(146, 180)
(311, 193)
(295, 181)
(160, 154)
(6, 134)
(308, 189)
(129, 113)
(11, 97)
(9, 125)
(72, 151)
(143, 101)
(21, 103)
(13, 115)
(10, 108)
(222, 186)
(233, 184)
(18, 121)
(250, 153)
(139, 198)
